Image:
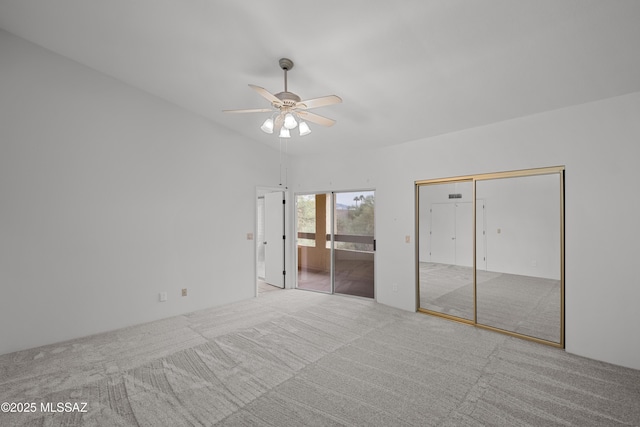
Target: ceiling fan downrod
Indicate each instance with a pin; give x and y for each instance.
(286, 64)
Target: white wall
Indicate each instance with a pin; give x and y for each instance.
(598, 144)
(109, 196)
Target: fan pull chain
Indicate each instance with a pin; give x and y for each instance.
(280, 139)
(286, 158)
(286, 163)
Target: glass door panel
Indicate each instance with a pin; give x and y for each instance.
(445, 265)
(353, 243)
(314, 257)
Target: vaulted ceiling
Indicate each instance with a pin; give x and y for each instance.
(405, 69)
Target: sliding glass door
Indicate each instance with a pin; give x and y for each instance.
(335, 242)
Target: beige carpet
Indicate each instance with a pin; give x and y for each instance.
(296, 358)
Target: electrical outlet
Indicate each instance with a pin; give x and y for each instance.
(249, 236)
(394, 287)
(184, 292)
(163, 297)
(407, 239)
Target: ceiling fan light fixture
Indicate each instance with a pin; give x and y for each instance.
(304, 129)
(290, 121)
(284, 133)
(267, 126)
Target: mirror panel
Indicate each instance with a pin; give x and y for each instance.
(519, 290)
(516, 285)
(445, 263)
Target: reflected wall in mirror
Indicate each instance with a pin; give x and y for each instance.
(516, 284)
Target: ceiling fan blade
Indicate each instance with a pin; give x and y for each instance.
(255, 110)
(314, 118)
(318, 102)
(267, 95)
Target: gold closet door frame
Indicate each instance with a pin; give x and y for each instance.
(485, 177)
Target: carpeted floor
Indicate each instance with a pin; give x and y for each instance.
(297, 358)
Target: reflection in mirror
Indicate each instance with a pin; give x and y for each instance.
(446, 248)
(519, 288)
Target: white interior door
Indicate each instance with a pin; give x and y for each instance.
(452, 234)
(443, 233)
(274, 242)
(260, 238)
(464, 234)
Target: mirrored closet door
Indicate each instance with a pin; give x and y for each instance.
(446, 249)
(490, 251)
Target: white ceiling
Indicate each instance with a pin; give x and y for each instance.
(405, 69)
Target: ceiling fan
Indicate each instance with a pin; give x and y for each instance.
(287, 107)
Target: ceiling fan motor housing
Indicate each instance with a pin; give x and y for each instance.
(289, 99)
